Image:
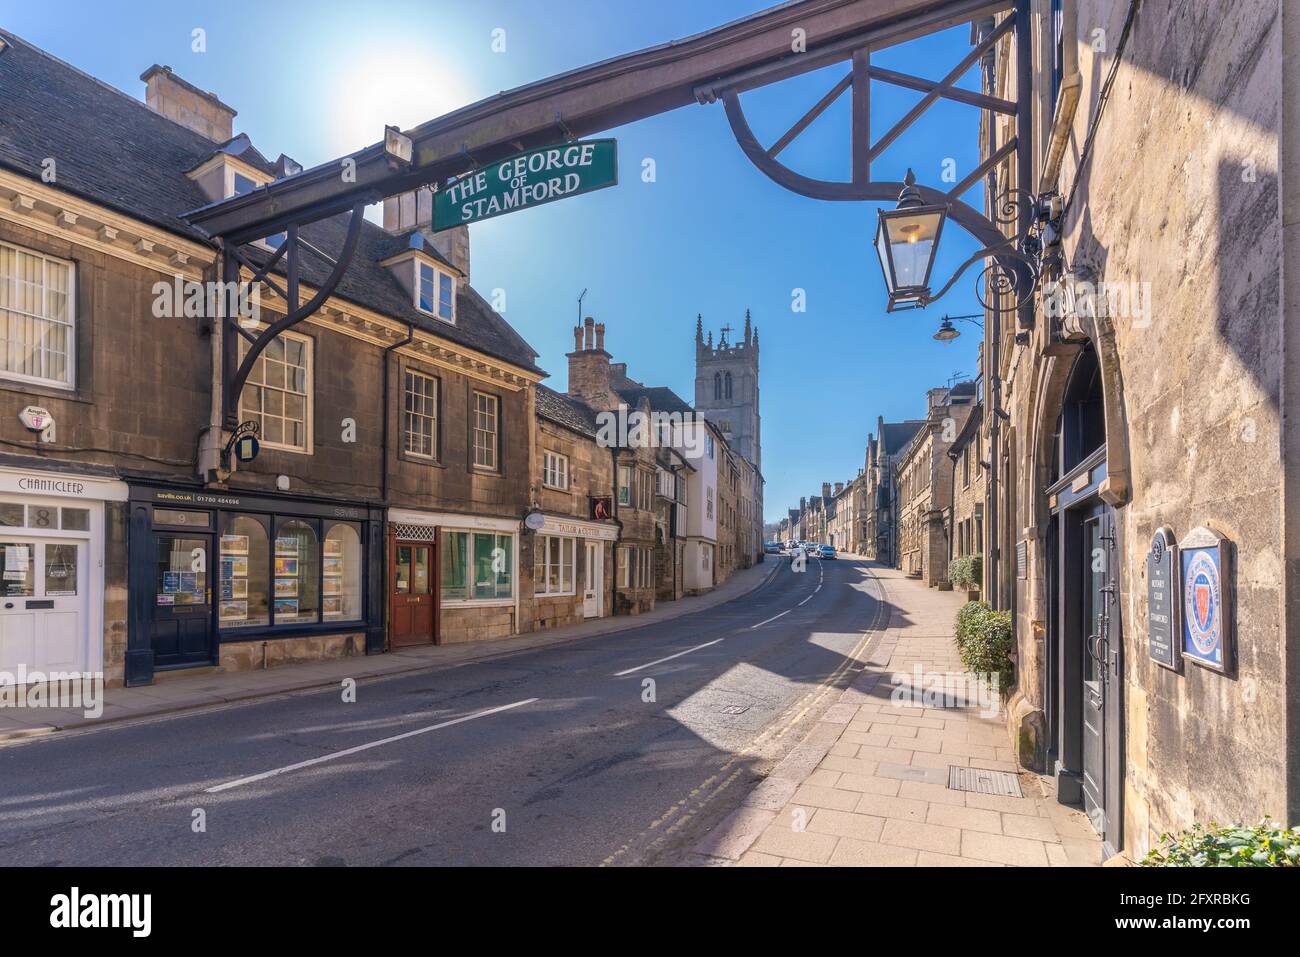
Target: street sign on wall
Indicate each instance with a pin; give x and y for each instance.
(1163, 600)
(527, 179)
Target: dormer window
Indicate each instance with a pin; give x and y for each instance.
(435, 291)
(237, 185)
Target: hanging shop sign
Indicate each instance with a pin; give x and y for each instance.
(1163, 638)
(527, 179)
(1207, 607)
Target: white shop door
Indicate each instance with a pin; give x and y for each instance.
(43, 605)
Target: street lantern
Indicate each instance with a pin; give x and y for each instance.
(948, 332)
(906, 240)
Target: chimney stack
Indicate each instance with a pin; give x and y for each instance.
(826, 489)
(589, 363)
(839, 488)
(168, 95)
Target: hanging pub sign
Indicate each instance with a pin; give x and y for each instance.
(1207, 607)
(602, 507)
(1163, 638)
(526, 179)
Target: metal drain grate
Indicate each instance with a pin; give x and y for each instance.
(1000, 783)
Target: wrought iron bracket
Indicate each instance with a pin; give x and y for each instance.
(233, 261)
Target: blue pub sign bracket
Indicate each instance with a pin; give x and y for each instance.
(1206, 576)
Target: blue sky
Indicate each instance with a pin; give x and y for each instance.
(711, 235)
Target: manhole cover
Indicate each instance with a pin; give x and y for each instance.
(735, 709)
(1001, 783)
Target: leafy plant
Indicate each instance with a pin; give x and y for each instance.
(986, 647)
(967, 616)
(967, 572)
(1260, 846)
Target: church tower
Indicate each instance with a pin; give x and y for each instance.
(726, 386)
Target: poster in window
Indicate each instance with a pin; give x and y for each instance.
(234, 588)
(286, 546)
(286, 588)
(234, 544)
(333, 607)
(286, 608)
(234, 567)
(333, 566)
(233, 610)
(333, 586)
(171, 582)
(333, 548)
(286, 568)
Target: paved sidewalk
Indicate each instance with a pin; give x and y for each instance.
(869, 785)
(182, 693)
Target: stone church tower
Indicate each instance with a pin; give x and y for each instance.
(726, 386)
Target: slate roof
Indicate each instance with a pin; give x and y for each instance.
(894, 436)
(662, 399)
(565, 410)
(111, 149)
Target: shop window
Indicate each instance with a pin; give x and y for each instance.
(486, 420)
(341, 574)
(411, 570)
(37, 311)
(553, 565)
(17, 569)
(60, 569)
(477, 565)
(277, 394)
(420, 415)
(245, 580)
(296, 598)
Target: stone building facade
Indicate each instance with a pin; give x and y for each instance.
(1161, 396)
(395, 426)
(924, 480)
(968, 482)
(880, 519)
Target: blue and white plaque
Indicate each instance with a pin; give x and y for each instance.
(1206, 599)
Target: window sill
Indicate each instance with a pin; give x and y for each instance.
(477, 602)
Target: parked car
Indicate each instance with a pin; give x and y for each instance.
(827, 551)
(771, 548)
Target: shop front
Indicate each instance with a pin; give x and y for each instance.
(222, 578)
(451, 577)
(571, 559)
(53, 559)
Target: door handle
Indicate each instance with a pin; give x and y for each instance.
(1103, 654)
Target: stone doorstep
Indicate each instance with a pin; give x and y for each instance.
(228, 687)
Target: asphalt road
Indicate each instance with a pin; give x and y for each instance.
(622, 749)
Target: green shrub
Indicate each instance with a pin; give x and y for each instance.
(969, 613)
(986, 649)
(1260, 846)
(967, 572)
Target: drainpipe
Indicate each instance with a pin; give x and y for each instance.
(383, 469)
(613, 498)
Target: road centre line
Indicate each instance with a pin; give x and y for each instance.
(669, 658)
(773, 618)
(363, 747)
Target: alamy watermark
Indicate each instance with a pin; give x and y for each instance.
(947, 689)
(1083, 298)
(626, 428)
(183, 298)
(83, 690)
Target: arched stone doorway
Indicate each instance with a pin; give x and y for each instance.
(1082, 667)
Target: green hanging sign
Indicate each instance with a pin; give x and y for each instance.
(527, 179)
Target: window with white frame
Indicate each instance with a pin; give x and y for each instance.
(435, 291)
(624, 485)
(553, 565)
(708, 502)
(37, 313)
(624, 568)
(555, 470)
(278, 392)
(420, 415)
(486, 430)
